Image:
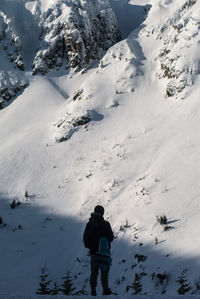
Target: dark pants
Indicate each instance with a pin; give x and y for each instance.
(94, 274)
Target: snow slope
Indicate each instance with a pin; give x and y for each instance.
(109, 135)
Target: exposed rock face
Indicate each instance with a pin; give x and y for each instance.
(10, 86)
(12, 65)
(10, 41)
(75, 32)
(178, 33)
(72, 34)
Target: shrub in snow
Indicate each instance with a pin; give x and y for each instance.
(167, 227)
(124, 227)
(26, 195)
(15, 203)
(140, 257)
(184, 285)
(162, 219)
(44, 283)
(77, 95)
(189, 3)
(67, 285)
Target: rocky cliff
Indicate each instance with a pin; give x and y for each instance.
(74, 33)
(71, 34)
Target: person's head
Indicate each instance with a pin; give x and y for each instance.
(99, 210)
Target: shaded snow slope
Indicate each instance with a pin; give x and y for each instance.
(110, 136)
(129, 14)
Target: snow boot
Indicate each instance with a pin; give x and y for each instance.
(107, 292)
(93, 292)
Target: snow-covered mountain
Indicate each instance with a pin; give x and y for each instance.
(68, 34)
(121, 133)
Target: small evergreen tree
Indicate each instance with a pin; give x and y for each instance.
(26, 195)
(184, 285)
(67, 286)
(162, 219)
(55, 289)
(136, 285)
(14, 204)
(44, 283)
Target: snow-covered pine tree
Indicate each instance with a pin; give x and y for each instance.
(67, 286)
(44, 283)
(184, 285)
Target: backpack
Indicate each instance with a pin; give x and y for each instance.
(91, 236)
(103, 256)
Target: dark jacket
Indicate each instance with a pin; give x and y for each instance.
(96, 228)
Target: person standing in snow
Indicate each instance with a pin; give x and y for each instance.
(98, 229)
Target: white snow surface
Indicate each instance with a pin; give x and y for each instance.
(137, 156)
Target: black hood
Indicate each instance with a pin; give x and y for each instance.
(95, 217)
